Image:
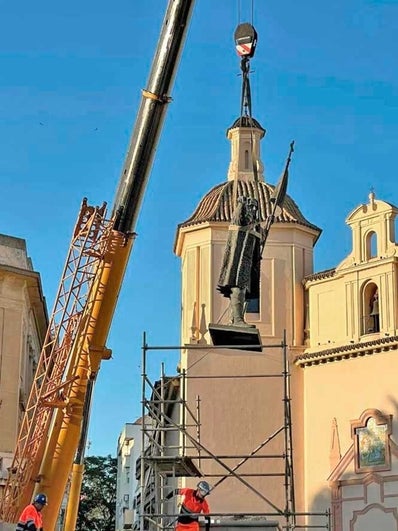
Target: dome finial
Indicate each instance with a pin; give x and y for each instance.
(372, 196)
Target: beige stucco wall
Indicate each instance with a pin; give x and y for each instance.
(342, 297)
(343, 390)
(236, 418)
(23, 322)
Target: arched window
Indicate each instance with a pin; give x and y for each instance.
(371, 245)
(370, 309)
(246, 159)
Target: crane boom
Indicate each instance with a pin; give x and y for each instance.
(75, 343)
(151, 115)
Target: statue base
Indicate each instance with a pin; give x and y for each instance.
(235, 337)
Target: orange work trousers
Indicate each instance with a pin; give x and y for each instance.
(193, 526)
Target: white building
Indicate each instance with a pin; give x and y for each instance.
(128, 451)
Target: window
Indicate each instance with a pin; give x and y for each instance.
(246, 159)
(371, 245)
(253, 305)
(307, 326)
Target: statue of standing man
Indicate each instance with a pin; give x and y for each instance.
(240, 270)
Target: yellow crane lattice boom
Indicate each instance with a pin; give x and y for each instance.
(51, 386)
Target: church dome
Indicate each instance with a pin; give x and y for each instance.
(219, 204)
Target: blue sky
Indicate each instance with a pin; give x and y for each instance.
(325, 74)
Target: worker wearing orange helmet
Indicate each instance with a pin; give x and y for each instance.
(193, 503)
(31, 518)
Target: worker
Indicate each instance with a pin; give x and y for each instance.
(31, 517)
(193, 503)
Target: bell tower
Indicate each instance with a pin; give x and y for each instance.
(373, 231)
(358, 291)
(245, 140)
(239, 409)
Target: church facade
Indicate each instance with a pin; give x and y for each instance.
(349, 386)
(341, 330)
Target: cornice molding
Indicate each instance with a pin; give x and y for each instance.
(344, 352)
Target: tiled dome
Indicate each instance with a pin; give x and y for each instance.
(246, 121)
(219, 204)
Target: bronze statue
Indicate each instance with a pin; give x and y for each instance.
(240, 271)
(239, 276)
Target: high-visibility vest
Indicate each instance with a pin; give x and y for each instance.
(191, 506)
(30, 519)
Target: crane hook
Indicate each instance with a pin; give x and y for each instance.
(245, 40)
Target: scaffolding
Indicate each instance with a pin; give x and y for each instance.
(172, 449)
